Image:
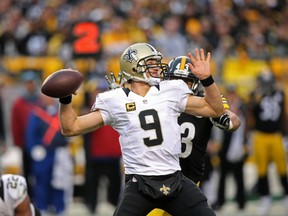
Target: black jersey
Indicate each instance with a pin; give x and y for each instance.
(195, 134)
(268, 111)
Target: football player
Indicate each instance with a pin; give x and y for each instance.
(195, 130)
(268, 124)
(145, 117)
(14, 199)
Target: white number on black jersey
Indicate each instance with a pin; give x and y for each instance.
(271, 108)
(189, 128)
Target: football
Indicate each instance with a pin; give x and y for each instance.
(62, 83)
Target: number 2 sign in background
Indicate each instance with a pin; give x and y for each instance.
(86, 40)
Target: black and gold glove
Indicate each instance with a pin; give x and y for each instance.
(223, 122)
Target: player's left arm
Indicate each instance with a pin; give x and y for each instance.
(211, 104)
(23, 209)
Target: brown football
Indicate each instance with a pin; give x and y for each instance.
(62, 83)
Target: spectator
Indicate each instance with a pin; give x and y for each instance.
(2, 120)
(21, 109)
(51, 163)
(232, 153)
(36, 41)
(103, 159)
(171, 42)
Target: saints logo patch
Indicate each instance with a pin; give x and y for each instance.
(130, 55)
(165, 190)
(130, 106)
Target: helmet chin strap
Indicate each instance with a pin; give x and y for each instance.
(152, 81)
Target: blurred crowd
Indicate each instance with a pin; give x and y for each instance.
(228, 27)
(97, 32)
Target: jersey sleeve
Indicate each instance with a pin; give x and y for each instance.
(100, 105)
(183, 96)
(15, 189)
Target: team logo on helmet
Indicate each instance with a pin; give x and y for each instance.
(130, 55)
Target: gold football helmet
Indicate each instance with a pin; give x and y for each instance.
(138, 60)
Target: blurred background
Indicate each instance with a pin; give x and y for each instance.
(39, 37)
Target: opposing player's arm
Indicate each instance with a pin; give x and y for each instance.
(235, 120)
(211, 104)
(227, 121)
(73, 125)
(198, 106)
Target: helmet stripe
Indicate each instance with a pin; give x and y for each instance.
(152, 48)
(182, 64)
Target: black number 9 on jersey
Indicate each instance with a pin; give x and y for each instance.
(151, 125)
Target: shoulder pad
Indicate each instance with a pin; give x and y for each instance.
(15, 186)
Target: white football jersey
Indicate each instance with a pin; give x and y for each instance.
(149, 133)
(14, 192)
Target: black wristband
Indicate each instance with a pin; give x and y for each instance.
(66, 100)
(208, 81)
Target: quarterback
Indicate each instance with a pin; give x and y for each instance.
(145, 117)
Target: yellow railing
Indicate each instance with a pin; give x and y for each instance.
(239, 71)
